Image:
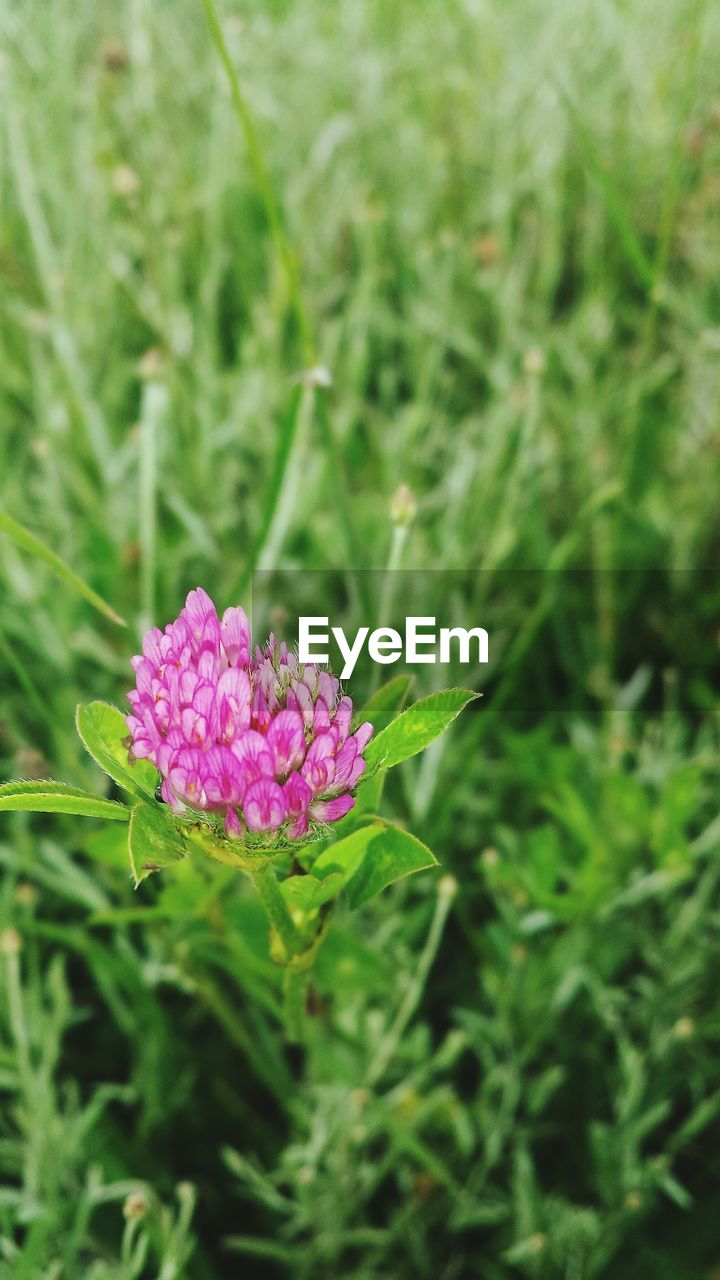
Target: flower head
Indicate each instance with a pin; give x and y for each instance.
(252, 736)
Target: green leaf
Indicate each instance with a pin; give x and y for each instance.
(154, 841)
(103, 731)
(384, 705)
(58, 797)
(390, 855)
(304, 894)
(346, 855)
(417, 727)
(23, 538)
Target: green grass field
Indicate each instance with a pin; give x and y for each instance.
(497, 227)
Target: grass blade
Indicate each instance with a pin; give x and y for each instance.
(612, 195)
(288, 258)
(27, 541)
(287, 434)
(263, 180)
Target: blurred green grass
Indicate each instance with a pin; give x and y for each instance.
(505, 224)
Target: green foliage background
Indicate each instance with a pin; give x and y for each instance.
(498, 230)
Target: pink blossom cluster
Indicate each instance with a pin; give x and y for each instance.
(257, 737)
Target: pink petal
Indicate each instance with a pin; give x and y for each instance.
(345, 759)
(186, 775)
(321, 719)
(176, 638)
(261, 714)
(199, 722)
(299, 828)
(264, 806)
(235, 636)
(286, 740)
(167, 748)
(363, 734)
(171, 799)
(331, 810)
(233, 825)
(310, 678)
(202, 622)
(183, 686)
(322, 748)
(199, 608)
(328, 687)
(204, 699)
(207, 663)
(145, 739)
(356, 773)
(152, 641)
(305, 703)
(319, 767)
(343, 716)
(144, 676)
(233, 700)
(254, 756)
(297, 795)
(224, 780)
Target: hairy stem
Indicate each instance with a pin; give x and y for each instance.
(276, 910)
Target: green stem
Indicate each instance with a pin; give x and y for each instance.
(295, 989)
(447, 889)
(263, 181)
(276, 910)
(298, 957)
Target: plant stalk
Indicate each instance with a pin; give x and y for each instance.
(268, 890)
(295, 989)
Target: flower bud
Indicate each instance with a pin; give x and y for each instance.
(26, 894)
(403, 506)
(115, 56)
(488, 250)
(136, 1205)
(10, 942)
(318, 376)
(534, 361)
(125, 181)
(447, 887)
